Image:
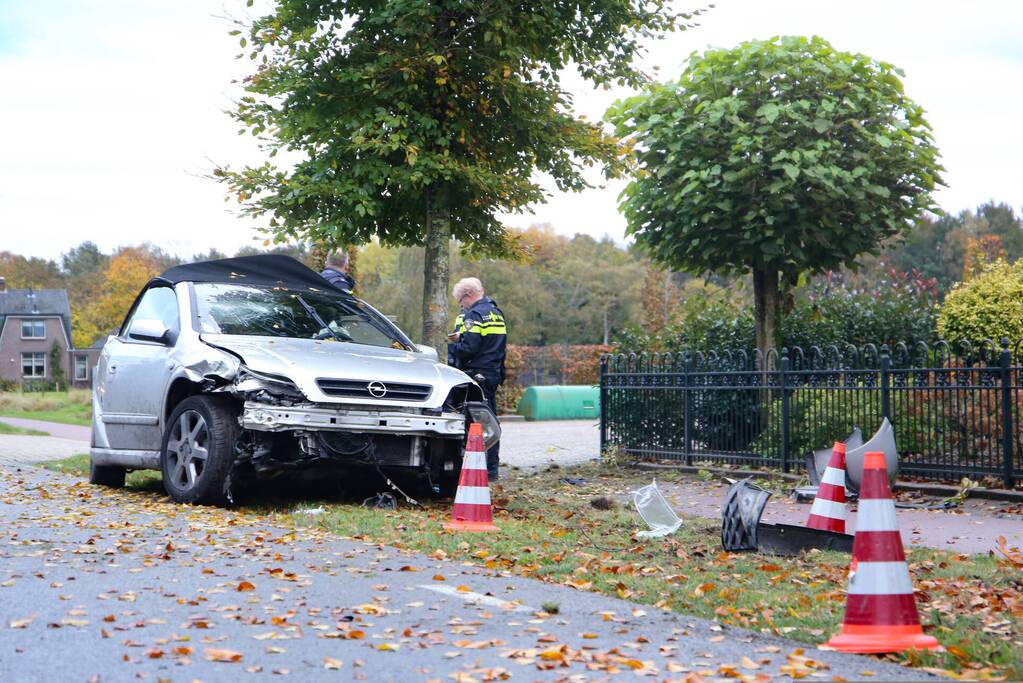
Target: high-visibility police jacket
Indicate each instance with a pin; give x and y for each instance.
(483, 340)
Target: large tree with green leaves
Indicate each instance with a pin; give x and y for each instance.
(778, 157)
(416, 121)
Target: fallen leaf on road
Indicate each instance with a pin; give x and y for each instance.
(214, 654)
(245, 586)
(332, 664)
(20, 623)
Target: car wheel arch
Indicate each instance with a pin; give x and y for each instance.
(179, 389)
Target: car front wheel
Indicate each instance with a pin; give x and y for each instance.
(198, 449)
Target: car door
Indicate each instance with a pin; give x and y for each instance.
(136, 373)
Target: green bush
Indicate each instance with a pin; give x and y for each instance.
(819, 417)
(900, 307)
(988, 306)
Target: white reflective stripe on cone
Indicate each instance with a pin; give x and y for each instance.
(827, 508)
(881, 578)
(474, 460)
(876, 515)
(833, 476)
(472, 495)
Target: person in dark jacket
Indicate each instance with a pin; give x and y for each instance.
(336, 272)
(477, 347)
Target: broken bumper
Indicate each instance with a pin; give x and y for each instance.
(264, 418)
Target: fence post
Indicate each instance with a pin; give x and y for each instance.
(687, 407)
(784, 409)
(603, 404)
(886, 365)
(1007, 400)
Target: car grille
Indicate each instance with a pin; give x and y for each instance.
(357, 388)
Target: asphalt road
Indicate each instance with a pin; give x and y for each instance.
(97, 585)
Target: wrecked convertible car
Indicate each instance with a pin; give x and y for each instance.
(254, 366)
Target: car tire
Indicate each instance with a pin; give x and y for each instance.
(106, 475)
(198, 450)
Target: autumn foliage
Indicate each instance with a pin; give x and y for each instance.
(129, 270)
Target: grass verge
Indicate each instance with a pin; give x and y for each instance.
(68, 407)
(10, 429)
(144, 480)
(582, 535)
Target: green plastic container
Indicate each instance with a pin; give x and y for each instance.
(560, 403)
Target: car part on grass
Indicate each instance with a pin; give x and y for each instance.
(381, 501)
(789, 539)
(855, 450)
(655, 511)
(817, 461)
(883, 441)
(740, 515)
(742, 530)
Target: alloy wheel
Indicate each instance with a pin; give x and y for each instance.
(188, 449)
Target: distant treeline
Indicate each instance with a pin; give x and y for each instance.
(565, 290)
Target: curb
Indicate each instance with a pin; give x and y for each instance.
(938, 490)
(511, 418)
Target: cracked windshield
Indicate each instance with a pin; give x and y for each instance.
(279, 312)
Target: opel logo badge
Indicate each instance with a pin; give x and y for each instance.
(377, 389)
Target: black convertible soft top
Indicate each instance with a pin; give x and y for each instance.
(261, 270)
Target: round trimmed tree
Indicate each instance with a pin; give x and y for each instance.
(775, 158)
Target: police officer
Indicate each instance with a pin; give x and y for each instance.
(477, 347)
(336, 272)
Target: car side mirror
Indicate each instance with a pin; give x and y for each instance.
(428, 351)
(150, 330)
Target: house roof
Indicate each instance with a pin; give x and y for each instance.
(22, 302)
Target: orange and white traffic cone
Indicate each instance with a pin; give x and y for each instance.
(472, 510)
(828, 511)
(880, 611)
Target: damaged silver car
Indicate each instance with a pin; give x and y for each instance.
(255, 366)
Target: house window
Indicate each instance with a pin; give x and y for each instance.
(33, 329)
(81, 368)
(33, 365)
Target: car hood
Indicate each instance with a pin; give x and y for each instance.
(303, 361)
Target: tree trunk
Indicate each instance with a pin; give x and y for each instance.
(436, 281)
(353, 264)
(765, 297)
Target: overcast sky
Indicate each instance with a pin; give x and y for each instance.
(111, 112)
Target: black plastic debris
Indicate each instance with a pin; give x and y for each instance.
(740, 515)
(742, 530)
(788, 539)
(381, 501)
